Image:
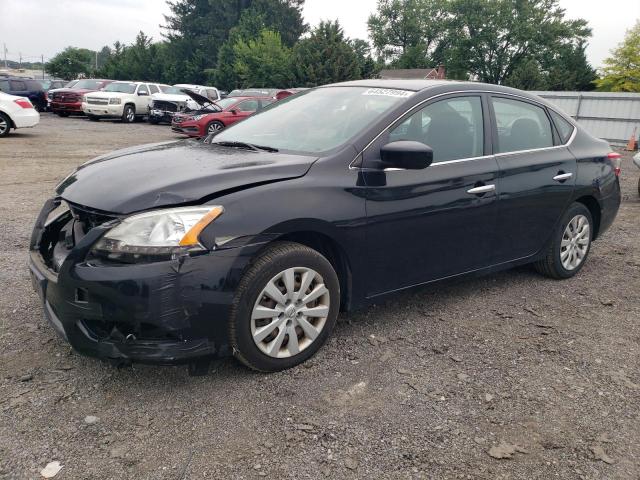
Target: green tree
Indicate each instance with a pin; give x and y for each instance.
(71, 62)
(197, 30)
(325, 57)
(491, 38)
(263, 62)
(369, 68)
(412, 28)
(622, 70)
(570, 70)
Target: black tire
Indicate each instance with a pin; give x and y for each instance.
(93, 118)
(214, 127)
(62, 114)
(153, 121)
(551, 264)
(6, 124)
(639, 187)
(128, 114)
(273, 260)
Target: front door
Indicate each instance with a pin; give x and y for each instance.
(429, 224)
(537, 176)
(142, 99)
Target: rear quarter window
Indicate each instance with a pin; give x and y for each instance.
(565, 129)
(4, 85)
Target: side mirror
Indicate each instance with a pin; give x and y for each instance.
(234, 111)
(406, 154)
(143, 94)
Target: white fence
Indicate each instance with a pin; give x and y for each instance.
(610, 116)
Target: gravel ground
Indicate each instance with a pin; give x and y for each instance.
(435, 383)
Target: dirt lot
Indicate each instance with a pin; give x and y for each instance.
(423, 386)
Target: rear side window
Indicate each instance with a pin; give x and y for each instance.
(18, 86)
(212, 94)
(33, 85)
(521, 126)
(153, 89)
(565, 129)
(453, 128)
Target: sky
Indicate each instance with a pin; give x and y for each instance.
(44, 27)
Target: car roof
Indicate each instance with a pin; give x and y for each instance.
(442, 85)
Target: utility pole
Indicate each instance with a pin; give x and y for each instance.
(5, 55)
(96, 60)
(20, 67)
(42, 60)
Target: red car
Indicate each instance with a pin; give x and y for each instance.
(65, 101)
(216, 116)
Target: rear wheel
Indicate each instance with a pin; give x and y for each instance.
(93, 118)
(570, 245)
(63, 114)
(129, 114)
(5, 125)
(285, 308)
(214, 127)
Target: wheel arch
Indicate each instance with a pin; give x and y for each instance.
(595, 209)
(332, 251)
(11, 122)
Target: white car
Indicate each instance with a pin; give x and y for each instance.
(16, 112)
(172, 100)
(124, 100)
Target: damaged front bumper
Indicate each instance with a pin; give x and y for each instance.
(165, 312)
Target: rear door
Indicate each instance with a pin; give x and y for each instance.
(537, 176)
(423, 225)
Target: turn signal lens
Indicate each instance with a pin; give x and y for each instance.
(24, 103)
(616, 159)
(191, 237)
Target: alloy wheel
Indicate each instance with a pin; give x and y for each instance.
(213, 128)
(4, 125)
(575, 242)
(290, 312)
(131, 115)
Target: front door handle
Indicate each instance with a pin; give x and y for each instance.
(482, 189)
(561, 177)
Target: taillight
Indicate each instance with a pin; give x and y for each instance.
(24, 103)
(616, 160)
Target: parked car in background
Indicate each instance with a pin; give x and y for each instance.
(16, 112)
(25, 87)
(230, 111)
(68, 100)
(277, 93)
(170, 100)
(52, 84)
(252, 242)
(124, 100)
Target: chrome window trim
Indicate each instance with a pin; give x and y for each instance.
(446, 162)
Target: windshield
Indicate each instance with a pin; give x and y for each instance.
(226, 102)
(88, 84)
(71, 83)
(316, 120)
(172, 90)
(120, 87)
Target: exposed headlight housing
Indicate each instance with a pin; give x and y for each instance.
(115, 101)
(160, 234)
(198, 117)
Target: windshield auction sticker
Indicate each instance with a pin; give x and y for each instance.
(388, 92)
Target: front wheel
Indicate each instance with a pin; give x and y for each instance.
(62, 114)
(570, 245)
(128, 114)
(214, 127)
(93, 118)
(285, 308)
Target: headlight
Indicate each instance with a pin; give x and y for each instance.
(198, 117)
(163, 233)
(84, 99)
(115, 101)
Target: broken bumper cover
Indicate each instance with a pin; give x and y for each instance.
(166, 312)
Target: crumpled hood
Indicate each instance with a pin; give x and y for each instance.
(173, 173)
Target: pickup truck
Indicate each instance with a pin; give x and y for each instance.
(124, 100)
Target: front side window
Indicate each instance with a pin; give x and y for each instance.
(453, 128)
(521, 126)
(212, 94)
(248, 106)
(143, 89)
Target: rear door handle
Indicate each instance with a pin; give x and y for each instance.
(482, 189)
(561, 177)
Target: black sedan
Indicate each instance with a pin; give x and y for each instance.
(251, 242)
